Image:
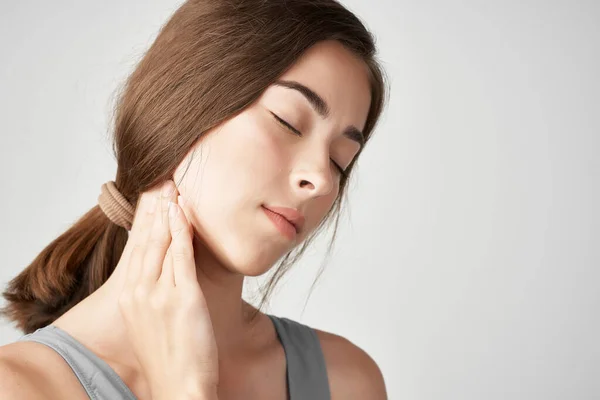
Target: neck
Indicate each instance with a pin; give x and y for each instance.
(98, 320)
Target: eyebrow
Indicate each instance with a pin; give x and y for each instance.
(322, 108)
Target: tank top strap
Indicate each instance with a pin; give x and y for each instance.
(306, 368)
(98, 379)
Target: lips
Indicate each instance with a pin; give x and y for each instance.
(293, 216)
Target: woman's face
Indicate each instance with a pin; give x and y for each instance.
(254, 160)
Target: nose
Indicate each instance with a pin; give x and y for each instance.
(317, 181)
(313, 175)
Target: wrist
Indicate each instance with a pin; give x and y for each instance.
(200, 393)
(207, 393)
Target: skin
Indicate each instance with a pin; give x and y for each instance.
(250, 160)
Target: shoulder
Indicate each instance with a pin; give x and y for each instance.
(352, 372)
(18, 379)
(31, 370)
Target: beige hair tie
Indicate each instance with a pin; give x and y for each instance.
(115, 205)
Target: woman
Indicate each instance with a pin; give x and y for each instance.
(250, 114)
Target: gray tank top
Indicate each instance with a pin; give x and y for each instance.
(306, 371)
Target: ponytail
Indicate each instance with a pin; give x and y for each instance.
(68, 270)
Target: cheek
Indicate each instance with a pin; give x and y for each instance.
(232, 173)
(320, 208)
(241, 163)
(262, 154)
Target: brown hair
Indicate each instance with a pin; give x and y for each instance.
(211, 60)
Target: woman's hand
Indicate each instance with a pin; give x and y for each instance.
(163, 306)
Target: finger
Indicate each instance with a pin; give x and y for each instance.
(136, 243)
(160, 237)
(167, 276)
(182, 252)
(183, 207)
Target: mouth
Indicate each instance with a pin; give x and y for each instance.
(292, 215)
(283, 225)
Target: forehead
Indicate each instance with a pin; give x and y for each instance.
(338, 76)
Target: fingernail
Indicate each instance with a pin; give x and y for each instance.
(172, 210)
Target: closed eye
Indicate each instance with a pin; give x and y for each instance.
(297, 132)
(287, 125)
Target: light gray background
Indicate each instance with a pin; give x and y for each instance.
(468, 263)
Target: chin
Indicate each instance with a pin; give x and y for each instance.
(250, 265)
(238, 257)
(245, 250)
